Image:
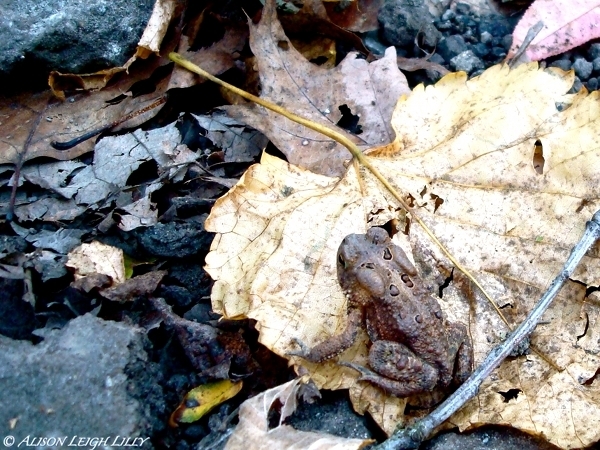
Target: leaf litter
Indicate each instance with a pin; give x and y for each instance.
(464, 151)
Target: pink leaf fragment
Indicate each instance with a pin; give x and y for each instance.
(567, 24)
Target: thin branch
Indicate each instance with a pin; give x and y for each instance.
(412, 436)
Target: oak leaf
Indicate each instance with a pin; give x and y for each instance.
(288, 79)
(504, 169)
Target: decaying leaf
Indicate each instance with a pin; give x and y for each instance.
(288, 79)
(567, 24)
(202, 399)
(253, 430)
(97, 257)
(466, 152)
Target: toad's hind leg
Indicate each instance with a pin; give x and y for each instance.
(397, 370)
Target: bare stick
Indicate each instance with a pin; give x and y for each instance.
(531, 34)
(412, 436)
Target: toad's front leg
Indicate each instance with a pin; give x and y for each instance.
(397, 370)
(334, 345)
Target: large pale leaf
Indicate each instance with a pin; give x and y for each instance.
(465, 153)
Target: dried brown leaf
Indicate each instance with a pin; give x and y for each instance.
(368, 90)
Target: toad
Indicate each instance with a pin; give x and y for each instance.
(414, 349)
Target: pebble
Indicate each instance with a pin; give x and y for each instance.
(448, 15)
(583, 69)
(466, 62)
(577, 85)
(507, 41)
(486, 37)
(480, 50)
(563, 64)
(596, 64)
(452, 46)
(594, 51)
(592, 84)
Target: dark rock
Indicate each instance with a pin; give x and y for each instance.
(17, 318)
(507, 42)
(175, 240)
(563, 64)
(444, 25)
(177, 296)
(596, 64)
(577, 85)
(402, 20)
(480, 50)
(451, 46)
(201, 313)
(331, 414)
(497, 26)
(436, 58)
(448, 15)
(497, 53)
(466, 62)
(77, 383)
(12, 244)
(496, 437)
(463, 8)
(594, 51)
(37, 36)
(193, 278)
(592, 84)
(583, 69)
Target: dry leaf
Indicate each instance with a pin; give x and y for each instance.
(369, 91)
(97, 257)
(465, 153)
(358, 15)
(253, 430)
(567, 24)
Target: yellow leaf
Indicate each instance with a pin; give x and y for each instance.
(202, 399)
(468, 153)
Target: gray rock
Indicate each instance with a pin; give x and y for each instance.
(486, 37)
(402, 20)
(75, 383)
(448, 15)
(592, 84)
(71, 36)
(577, 85)
(594, 51)
(466, 62)
(507, 42)
(583, 69)
(563, 64)
(480, 50)
(452, 46)
(596, 64)
(175, 240)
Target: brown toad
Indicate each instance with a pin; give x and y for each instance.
(414, 349)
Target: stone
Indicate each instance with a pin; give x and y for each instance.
(583, 69)
(70, 36)
(402, 20)
(592, 84)
(594, 51)
(452, 46)
(76, 382)
(596, 64)
(175, 239)
(563, 64)
(480, 50)
(485, 37)
(466, 62)
(507, 41)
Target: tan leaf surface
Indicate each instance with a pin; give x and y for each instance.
(97, 257)
(464, 152)
(253, 430)
(289, 80)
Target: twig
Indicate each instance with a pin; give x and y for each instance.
(412, 436)
(84, 137)
(531, 34)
